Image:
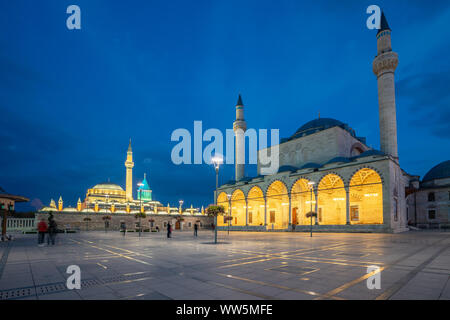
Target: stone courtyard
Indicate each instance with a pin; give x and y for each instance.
(253, 266)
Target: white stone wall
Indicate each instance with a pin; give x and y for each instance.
(318, 147)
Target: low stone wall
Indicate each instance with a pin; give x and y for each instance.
(75, 221)
(369, 228)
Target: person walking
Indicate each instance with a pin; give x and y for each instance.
(195, 229)
(169, 230)
(123, 228)
(51, 232)
(42, 229)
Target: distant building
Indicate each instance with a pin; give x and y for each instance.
(108, 197)
(429, 200)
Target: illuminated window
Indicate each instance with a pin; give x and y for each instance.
(319, 214)
(354, 213)
(272, 216)
(250, 217)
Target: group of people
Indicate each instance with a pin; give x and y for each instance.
(169, 230)
(49, 229)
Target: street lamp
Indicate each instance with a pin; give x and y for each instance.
(311, 186)
(181, 204)
(140, 185)
(216, 161)
(229, 211)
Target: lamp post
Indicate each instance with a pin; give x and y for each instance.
(311, 186)
(181, 204)
(229, 211)
(216, 161)
(140, 185)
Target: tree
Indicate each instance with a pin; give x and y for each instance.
(215, 211)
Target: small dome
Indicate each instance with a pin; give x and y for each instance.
(339, 159)
(108, 186)
(319, 125)
(441, 171)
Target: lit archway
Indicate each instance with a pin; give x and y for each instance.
(222, 200)
(277, 206)
(366, 197)
(302, 202)
(331, 208)
(255, 202)
(238, 208)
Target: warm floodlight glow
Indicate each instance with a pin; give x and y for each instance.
(371, 195)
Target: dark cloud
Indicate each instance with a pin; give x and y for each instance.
(427, 97)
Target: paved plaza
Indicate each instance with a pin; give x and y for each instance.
(414, 265)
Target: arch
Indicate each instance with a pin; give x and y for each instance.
(331, 200)
(367, 167)
(366, 197)
(238, 208)
(303, 200)
(222, 200)
(255, 204)
(277, 205)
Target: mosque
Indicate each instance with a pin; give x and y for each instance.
(329, 179)
(110, 198)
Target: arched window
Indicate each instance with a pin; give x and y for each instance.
(238, 208)
(431, 197)
(366, 198)
(331, 197)
(222, 200)
(303, 200)
(277, 206)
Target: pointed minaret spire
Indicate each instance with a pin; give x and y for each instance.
(239, 102)
(129, 147)
(383, 23)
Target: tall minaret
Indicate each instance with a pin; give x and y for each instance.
(129, 164)
(239, 127)
(384, 66)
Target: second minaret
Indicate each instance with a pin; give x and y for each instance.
(384, 66)
(239, 127)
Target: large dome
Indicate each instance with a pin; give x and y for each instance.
(319, 125)
(441, 171)
(108, 186)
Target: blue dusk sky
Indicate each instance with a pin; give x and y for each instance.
(71, 99)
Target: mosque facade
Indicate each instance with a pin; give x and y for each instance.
(329, 179)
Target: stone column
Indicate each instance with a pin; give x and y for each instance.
(290, 213)
(316, 205)
(265, 212)
(246, 212)
(347, 204)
